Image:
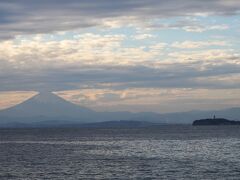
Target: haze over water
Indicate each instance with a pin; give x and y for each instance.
(163, 152)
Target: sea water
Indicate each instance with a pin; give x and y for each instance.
(160, 152)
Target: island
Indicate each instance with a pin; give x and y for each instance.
(215, 122)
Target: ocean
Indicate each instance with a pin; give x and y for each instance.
(161, 152)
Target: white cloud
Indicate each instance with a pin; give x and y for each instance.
(90, 59)
(202, 28)
(143, 36)
(85, 49)
(219, 56)
(198, 44)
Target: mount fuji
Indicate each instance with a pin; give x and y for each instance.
(47, 107)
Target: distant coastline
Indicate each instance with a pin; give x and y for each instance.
(215, 122)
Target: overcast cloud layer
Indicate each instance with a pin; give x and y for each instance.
(46, 16)
(121, 46)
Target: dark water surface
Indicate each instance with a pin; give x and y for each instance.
(165, 152)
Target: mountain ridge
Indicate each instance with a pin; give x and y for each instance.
(50, 107)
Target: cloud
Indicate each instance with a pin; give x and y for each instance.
(186, 24)
(201, 28)
(139, 99)
(198, 44)
(93, 60)
(143, 36)
(121, 53)
(149, 99)
(184, 75)
(85, 49)
(213, 55)
(11, 98)
(32, 16)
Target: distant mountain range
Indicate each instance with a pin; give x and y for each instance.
(47, 109)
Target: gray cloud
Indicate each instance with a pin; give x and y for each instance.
(32, 16)
(178, 75)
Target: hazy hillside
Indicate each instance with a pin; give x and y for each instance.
(48, 108)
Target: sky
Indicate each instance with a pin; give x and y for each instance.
(128, 55)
